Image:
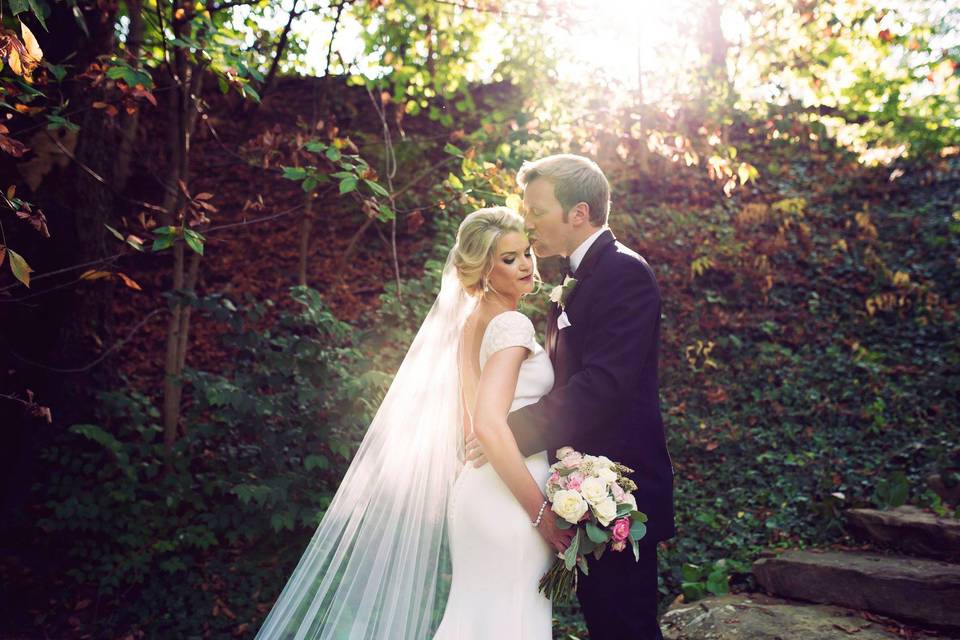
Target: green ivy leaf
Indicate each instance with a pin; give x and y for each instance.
(691, 573)
(294, 173)
(194, 240)
(717, 583)
(377, 188)
(312, 462)
(250, 92)
(40, 10)
(348, 184)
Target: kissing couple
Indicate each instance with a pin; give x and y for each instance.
(441, 528)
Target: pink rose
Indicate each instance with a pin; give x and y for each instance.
(618, 546)
(554, 477)
(572, 461)
(574, 480)
(621, 529)
(618, 492)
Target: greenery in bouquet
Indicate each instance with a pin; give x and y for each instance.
(593, 495)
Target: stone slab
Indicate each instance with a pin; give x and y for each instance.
(760, 617)
(908, 529)
(921, 591)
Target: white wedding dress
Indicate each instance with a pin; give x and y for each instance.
(497, 557)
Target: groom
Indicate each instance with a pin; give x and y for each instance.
(603, 340)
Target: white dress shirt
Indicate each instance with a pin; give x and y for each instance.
(577, 256)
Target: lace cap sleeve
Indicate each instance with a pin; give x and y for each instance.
(509, 329)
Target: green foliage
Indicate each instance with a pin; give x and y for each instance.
(349, 169)
(886, 72)
(714, 579)
(266, 441)
(893, 491)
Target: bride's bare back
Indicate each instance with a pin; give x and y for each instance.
(469, 365)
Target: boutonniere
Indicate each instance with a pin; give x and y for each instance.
(561, 292)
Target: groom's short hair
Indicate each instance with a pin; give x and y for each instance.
(575, 179)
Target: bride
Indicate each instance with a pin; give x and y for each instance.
(416, 544)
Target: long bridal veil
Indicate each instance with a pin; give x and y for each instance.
(374, 568)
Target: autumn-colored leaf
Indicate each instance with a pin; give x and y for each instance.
(129, 282)
(415, 220)
(21, 270)
(94, 274)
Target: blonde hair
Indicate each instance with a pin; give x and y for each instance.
(575, 179)
(477, 239)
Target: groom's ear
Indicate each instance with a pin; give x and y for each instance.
(580, 214)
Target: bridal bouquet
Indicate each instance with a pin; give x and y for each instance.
(591, 494)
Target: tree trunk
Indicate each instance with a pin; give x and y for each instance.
(306, 224)
(131, 121)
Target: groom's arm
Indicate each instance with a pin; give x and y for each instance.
(624, 317)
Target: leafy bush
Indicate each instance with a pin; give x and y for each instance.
(265, 445)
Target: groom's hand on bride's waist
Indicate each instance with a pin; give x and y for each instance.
(475, 455)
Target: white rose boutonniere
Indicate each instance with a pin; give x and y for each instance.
(561, 292)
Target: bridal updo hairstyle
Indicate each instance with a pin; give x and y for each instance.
(476, 243)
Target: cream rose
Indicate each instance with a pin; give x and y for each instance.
(563, 452)
(629, 499)
(594, 490)
(604, 462)
(607, 475)
(606, 511)
(569, 505)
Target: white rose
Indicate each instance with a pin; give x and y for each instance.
(556, 294)
(607, 475)
(604, 462)
(569, 505)
(594, 490)
(606, 511)
(563, 452)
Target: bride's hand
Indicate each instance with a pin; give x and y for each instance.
(475, 452)
(558, 539)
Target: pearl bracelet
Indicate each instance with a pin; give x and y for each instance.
(536, 523)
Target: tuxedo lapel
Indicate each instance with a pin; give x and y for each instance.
(551, 336)
(589, 261)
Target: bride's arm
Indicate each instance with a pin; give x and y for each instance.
(497, 385)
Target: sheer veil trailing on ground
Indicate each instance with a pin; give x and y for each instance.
(378, 564)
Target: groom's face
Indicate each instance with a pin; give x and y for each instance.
(547, 224)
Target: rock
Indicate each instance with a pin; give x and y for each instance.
(909, 529)
(926, 592)
(759, 617)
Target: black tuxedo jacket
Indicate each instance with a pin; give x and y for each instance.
(605, 398)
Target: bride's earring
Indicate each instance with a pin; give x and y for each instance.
(486, 286)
